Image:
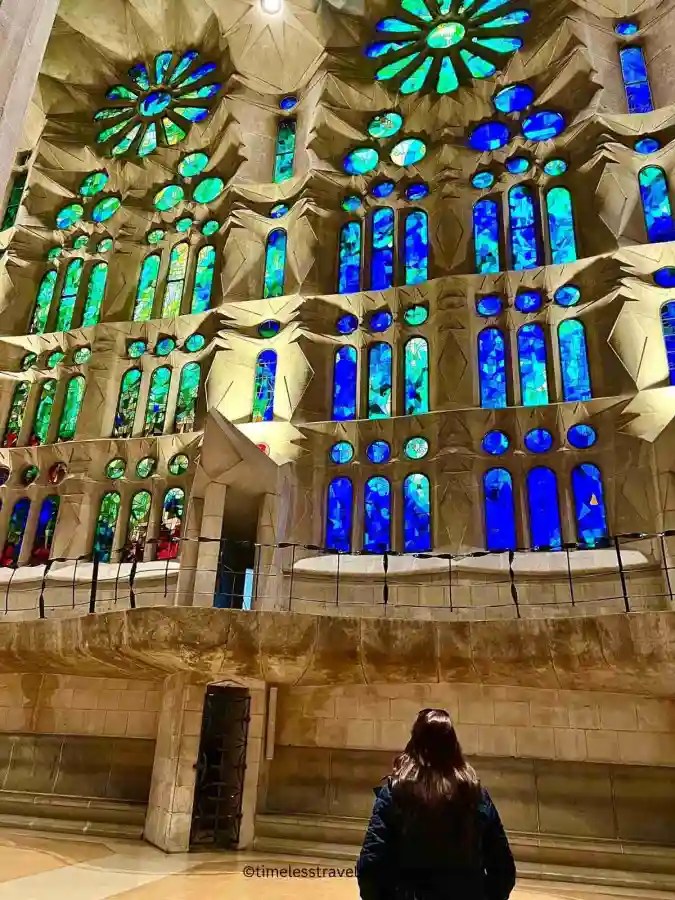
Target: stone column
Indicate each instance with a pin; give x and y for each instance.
(209, 552)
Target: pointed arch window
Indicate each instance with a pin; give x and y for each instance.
(43, 413)
(43, 303)
(377, 515)
(576, 375)
(137, 527)
(416, 514)
(656, 205)
(71, 407)
(98, 278)
(275, 264)
(339, 512)
(265, 383)
(17, 411)
(492, 368)
(500, 519)
(668, 326)
(284, 157)
(486, 237)
(416, 262)
(562, 236)
(636, 79)
(173, 509)
(15, 533)
(379, 381)
(589, 504)
(382, 252)
(544, 509)
(345, 373)
(175, 282)
(523, 228)
(158, 398)
(147, 288)
(349, 258)
(106, 525)
(416, 368)
(204, 275)
(44, 534)
(69, 292)
(188, 394)
(127, 404)
(532, 365)
(14, 202)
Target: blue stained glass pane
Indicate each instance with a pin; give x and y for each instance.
(500, 522)
(417, 191)
(285, 150)
(582, 436)
(204, 274)
(543, 125)
(377, 516)
(378, 452)
(416, 514)
(665, 277)
(626, 28)
(561, 225)
(633, 65)
(339, 515)
(668, 326)
(516, 165)
(342, 452)
(576, 375)
(488, 306)
(381, 320)
(647, 145)
(514, 98)
(347, 324)
(544, 509)
(639, 97)
(532, 365)
(492, 368)
(382, 257)
(555, 167)
(15, 533)
(288, 103)
(567, 295)
(523, 228)
(44, 534)
(349, 275)
(539, 440)
(486, 237)
(265, 381)
(382, 189)
(496, 443)
(489, 136)
(529, 301)
(379, 381)
(483, 180)
(589, 504)
(656, 204)
(416, 377)
(275, 264)
(416, 247)
(344, 384)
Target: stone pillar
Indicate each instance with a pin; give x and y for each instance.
(209, 552)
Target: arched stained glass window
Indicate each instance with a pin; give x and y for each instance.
(576, 376)
(171, 524)
(137, 527)
(379, 381)
(589, 504)
(188, 393)
(339, 510)
(158, 397)
(265, 383)
(285, 150)
(16, 413)
(98, 278)
(486, 236)
(15, 532)
(72, 405)
(43, 303)
(344, 384)
(416, 370)
(14, 202)
(377, 516)
(416, 262)
(106, 525)
(43, 413)
(544, 509)
(416, 514)
(204, 275)
(492, 368)
(275, 264)
(656, 205)
(349, 258)
(561, 232)
(500, 521)
(44, 534)
(147, 288)
(532, 365)
(127, 404)
(175, 283)
(668, 326)
(523, 228)
(69, 291)
(382, 251)
(636, 79)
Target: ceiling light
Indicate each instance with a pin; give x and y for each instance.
(271, 6)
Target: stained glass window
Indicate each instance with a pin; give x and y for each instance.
(576, 376)
(46, 526)
(43, 303)
(345, 384)
(382, 255)
(532, 365)
(492, 368)
(339, 506)
(636, 79)
(204, 275)
(15, 532)
(379, 381)
(285, 150)
(125, 415)
(137, 527)
(416, 369)
(416, 514)
(69, 291)
(523, 228)
(71, 407)
(14, 202)
(377, 515)
(668, 326)
(158, 396)
(173, 292)
(486, 237)
(147, 288)
(275, 264)
(95, 294)
(500, 521)
(106, 525)
(265, 382)
(544, 510)
(416, 261)
(171, 524)
(589, 504)
(16, 413)
(349, 258)
(656, 205)
(188, 393)
(43, 412)
(561, 225)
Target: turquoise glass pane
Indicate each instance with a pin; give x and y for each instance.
(71, 408)
(285, 150)
(43, 303)
(656, 204)
(137, 527)
(16, 413)
(416, 377)
(379, 381)
(523, 228)
(589, 505)
(71, 286)
(349, 258)
(668, 326)
(377, 515)
(147, 288)
(158, 397)
(532, 365)
(492, 368)
(95, 295)
(416, 514)
(544, 510)
(173, 293)
(15, 533)
(339, 511)
(416, 247)
(43, 413)
(576, 376)
(561, 225)
(500, 522)
(188, 394)
(44, 533)
(171, 524)
(127, 404)
(382, 255)
(106, 524)
(275, 264)
(265, 382)
(344, 384)
(204, 275)
(486, 236)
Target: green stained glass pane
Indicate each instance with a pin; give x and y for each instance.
(447, 77)
(54, 253)
(397, 26)
(195, 342)
(174, 133)
(55, 358)
(120, 92)
(208, 190)
(113, 113)
(206, 267)
(16, 413)
(417, 8)
(179, 464)
(416, 448)
(478, 67)
(127, 404)
(105, 209)
(156, 236)
(69, 216)
(192, 165)
(121, 148)
(210, 227)
(106, 525)
(361, 161)
(185, 62)
(30, 474)
(188, 393)
(416, 315)
(416, 377)
(105, 246)
(149, 141)
(385, 125)
(115, 129)
(275, 264)
(115, 468)
(95, 295)
(501, 44)
(137, 528)
(44, 302)
(394, 68)
(136, 349)
(176, 280)
(147, 288)
(71, 286)
(162, 64)
(165, 346)
(169, 197)
(71, 408)
(184, 224)
(80, 242)
(285, 150)
(158, 396)
(415, 81)
(94, 183)
(28, 361)
(146, 467)
(82, 355)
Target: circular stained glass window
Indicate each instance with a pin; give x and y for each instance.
(184, 224)
(342, 452)
(57, 473)
(567, 295)
(80, 242)
(169, 197)
(665, 277)
(647, 145)
(136, 349)
(54, 253)
(382, 189)
(416, 448)
(514, 98)
(29, 475)
(543, 125)
(165, 346)
(115, 468)
(4, 475)
(54, 359)
(483, 180)
(351, 203)
(417, 191)
(516, 165)
(105, 246)
(416, 315)
(179, 464)
(210, 227)
(82, 355)
(555, 167)
(288, 103)
(192, 165)
(28, 361)
(156, 236)
(195, 342)
(381, 320)
(278, 211)
(582, 436)
(68, 216)
(347, 324)
(208, 190)
(378, 452)
(539, 440)
(408, 152)
(146, 467)
(105, 209)
(627, 28)
(529, 301)
(488, 306)
(361, 161)
(489, 136)
(385, 125)
(269, 329)
(94, 183)
(496, 443)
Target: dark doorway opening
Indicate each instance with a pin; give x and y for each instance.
(236, 586)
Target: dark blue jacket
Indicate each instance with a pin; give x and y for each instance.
(401, 860)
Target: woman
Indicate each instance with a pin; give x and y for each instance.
(434, 833)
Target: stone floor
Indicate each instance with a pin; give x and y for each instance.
(48, 867)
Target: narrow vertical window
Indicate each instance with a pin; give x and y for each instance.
(379, 381)
(382, 252)
(106, 525)
(44, 534)
(576, 376)
(15, 533)
(147, 288)
(284, 157)
(71, 287)
(416, 262)
(416, 379)
(265, 383)
(668, 326)
(137, 527)
(43, 303)
(656, 205)
(72, 405)
(95, 294)
(14, 202)
(17, 412)
(377, 516)
(486, 237)
(204, 275)
(532, 365)
(339, 510)
(175, 282)
(127, 404)
(158, 397)
(416, 514)
(345, 384)
(561, 232)
(171, 524)
(544, 510)
(43, 413)
(492, 368)
(523, 228)
(349, 258)
(636, 80)
(589, 504)
(275, 264)
(500, 520)
(188, 393)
